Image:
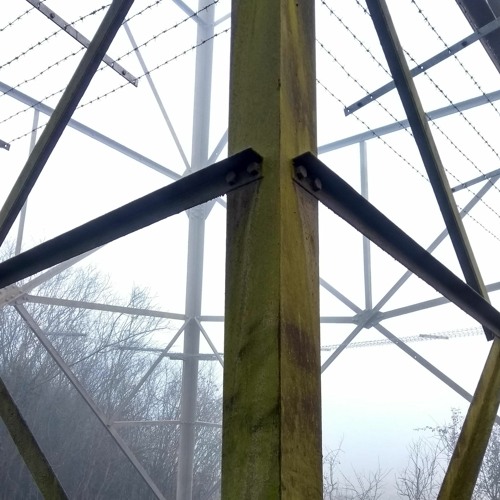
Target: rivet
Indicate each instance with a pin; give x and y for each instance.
(301, 172)
(231, 178)
(317, 184)
(253, 169)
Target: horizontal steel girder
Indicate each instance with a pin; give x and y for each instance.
(195, 189)
(341, 198)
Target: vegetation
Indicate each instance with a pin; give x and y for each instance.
(421, 477)
(85, 458)
(108, 353)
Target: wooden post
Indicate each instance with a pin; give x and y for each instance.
(272, 408)
(28, 448)
(467, 457)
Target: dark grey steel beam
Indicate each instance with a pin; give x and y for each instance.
(90, 132)
(478, 13)
(403, 124)
(340, 197)
(33, 456)
(4, 145)
(62, 114)
(426, 65)
(426, 145)
(195, 189)
(367, 319)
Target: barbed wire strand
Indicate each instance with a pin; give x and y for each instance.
(457, 59)
(440, 90)
(360, 42)
(436, 125)
(155, 37)
(48, 37)
(454, 144)
(41, 73)
(106, 94)
(406, 129)
(14, 21)
(405, 160)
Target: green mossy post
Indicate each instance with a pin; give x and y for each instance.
(272, 408)
(33, 456)
(467, 458)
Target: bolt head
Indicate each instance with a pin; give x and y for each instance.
(301, 172)
(253, 169)
(231, 178)
(317, 184)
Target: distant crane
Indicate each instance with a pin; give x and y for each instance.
(447, 335)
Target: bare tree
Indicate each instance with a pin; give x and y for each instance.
(421, 477)
(429, 457)
(91, 343)
(365, 486)
(488, 484)
(331, 462)
(339, 486)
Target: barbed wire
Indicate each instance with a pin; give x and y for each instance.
(106, 94)
(450, 140)
(475, 82)
(405, 160)
(360, 42)
(439, 88)
(375, 135)
(355, 80)
(161, 65)
(18, 18)
(150, 6)
(406, 129)
(48, 37)
(48, 68)
(155, 37)
(455, 56)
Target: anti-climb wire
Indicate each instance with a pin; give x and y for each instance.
(455, 56)
(405, 160)
(48, 37)
(106, 94)
(57, 63)
(155, 37)
(14, 21)
(390, 114)
(461, 114)
(440, 90)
